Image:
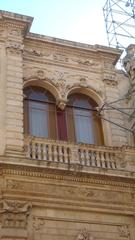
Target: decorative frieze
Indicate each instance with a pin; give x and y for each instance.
(76, 193)
(63, 56)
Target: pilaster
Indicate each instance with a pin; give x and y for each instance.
(117, 136)
(13, 27)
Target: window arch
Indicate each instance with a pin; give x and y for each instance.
(39, 113)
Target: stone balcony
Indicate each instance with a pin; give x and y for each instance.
(80, 157)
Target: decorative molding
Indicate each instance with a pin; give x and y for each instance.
(87, 194)
(62, 56)
(56, 174)
(84, 235)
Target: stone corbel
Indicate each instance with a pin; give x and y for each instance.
(61, 103)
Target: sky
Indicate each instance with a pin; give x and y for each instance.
(75, 20)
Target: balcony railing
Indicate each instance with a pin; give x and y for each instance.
(69, 153)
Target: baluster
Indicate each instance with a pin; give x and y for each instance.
(93, 160)
(113, 163)
(39, 151)
(33, 151)
(29, 150)
(87, 158)
(82, 157)
(102, 160)
(75, 155)
(98, 162)
(108, 160)
(44, 150)
(55, 153)
(49, 152)
(60, 153)
(65, 154)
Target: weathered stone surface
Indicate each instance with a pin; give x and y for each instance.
(58, 190)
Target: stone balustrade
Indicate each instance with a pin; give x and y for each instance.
(70, 153)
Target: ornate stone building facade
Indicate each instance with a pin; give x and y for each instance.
(67, 156)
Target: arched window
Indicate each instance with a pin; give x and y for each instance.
(83, 124)
(78, 122)
(39, 113)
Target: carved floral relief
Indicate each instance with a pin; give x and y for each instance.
(61, 80)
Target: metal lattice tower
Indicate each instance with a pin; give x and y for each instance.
(120, 22)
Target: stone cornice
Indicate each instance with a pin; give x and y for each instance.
(77, 45)
(75, 176)
(15, 20)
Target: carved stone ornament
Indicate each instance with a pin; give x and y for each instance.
(15, 206)
(84, 235)
(40, 74)
(15, 32)
(85, 62)
(62, 87)
(38, 223)
(15, 213)
(61, 103)
(34, 52)
(123, 231)
(59, 79)
(14, 48)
